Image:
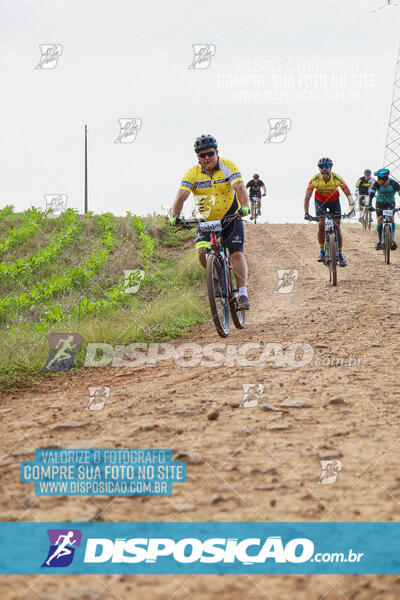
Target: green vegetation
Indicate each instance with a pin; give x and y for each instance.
(71, 278)
(6, 212)
(74, 284)
(18, 234)
(34, 261)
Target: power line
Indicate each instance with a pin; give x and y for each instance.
(392, 149)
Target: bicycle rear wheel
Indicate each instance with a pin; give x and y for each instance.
(238, 316)
(387, 240)
(332, 259)
(217, 294)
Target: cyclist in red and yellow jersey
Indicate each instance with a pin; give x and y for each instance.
(326, 185)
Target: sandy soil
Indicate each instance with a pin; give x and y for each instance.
(258, 465)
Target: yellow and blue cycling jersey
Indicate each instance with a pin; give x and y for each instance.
(327, 191)
(214, 194)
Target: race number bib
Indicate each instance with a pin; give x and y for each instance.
(210, 226)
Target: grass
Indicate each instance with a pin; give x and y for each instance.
(170, 301)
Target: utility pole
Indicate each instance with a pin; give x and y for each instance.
(392, 150)
(86, 173)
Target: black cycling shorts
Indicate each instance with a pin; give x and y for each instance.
(233, 234)
(322, 208)
(380, 206)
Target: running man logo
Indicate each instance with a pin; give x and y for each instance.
(286, 280)
(62, 351)
(128, 129)
(251, 394)
(97, 397)
(278, 129)
(203, 54)
(57, 203)
(132, 279)
(62, 547)
(50, 53)
(329, 471)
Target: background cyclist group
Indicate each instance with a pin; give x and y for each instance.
(218, 188)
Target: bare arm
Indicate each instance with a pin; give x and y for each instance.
(347, 191)
(265, 191)
(307, 198)
(240, 190)
(177, 206)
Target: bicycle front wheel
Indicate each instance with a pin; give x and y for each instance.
(238, 316)
(332, 259)
(365, 219)
(217, 294)
(387, 240)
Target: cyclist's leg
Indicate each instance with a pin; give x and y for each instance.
(392, 207)
(380, 206)
(202, 244)
(320, 211)
(336, 225)
(234, 237)
(240, 267)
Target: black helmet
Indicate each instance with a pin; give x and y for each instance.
(256, 176)
(367, 172)
(325, 161)
(205, 141)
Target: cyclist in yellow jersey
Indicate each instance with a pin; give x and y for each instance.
(218, 188)
(326, 185)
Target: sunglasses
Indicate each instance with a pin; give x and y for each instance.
(325, 166)
(206, 154)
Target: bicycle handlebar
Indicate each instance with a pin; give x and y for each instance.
(192, 222)
(372, 209)
(345, 216)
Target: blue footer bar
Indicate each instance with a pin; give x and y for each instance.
(209, 548)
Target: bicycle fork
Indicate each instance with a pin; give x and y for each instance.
(221, 255)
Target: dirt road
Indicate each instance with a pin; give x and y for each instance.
(244, 463)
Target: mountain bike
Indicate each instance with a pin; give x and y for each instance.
(222, 288)
(366, 216)
(254, 208)
(331, 245)
(387, 232)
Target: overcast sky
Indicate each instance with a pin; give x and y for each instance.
(328, 67)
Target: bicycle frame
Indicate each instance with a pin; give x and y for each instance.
(254, 200)
(329, 229)
(223, 298)
(218, 246)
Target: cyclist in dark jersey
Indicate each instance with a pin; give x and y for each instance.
(255, 186)
(385, 200)
(363, 186)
